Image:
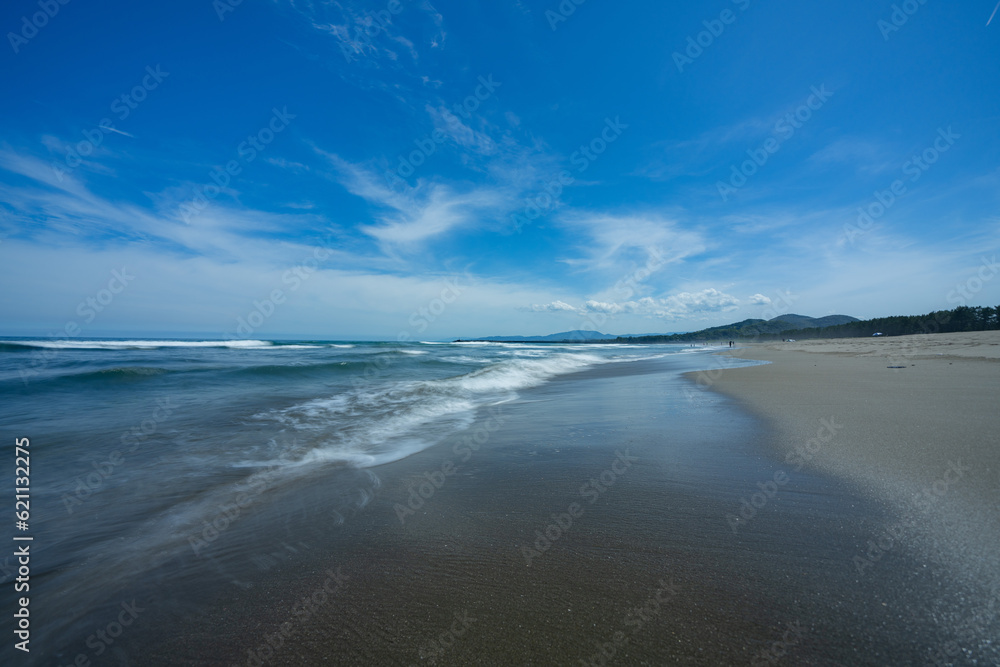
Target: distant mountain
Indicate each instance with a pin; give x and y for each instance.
(575, 335)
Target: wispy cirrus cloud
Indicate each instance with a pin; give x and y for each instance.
(699, 155)
(410, 218)
(865, 155)
(461, 134)
(54, 211)
(615, 241)
(371, 35)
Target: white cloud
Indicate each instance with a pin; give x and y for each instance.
(365, 33)
(73, 214)
(759, 300)
(682, 304)
(440, 211)
(591, 306)
(206, 294)
(554, 307)
(618, 241)
(461, 134)
(419, 214)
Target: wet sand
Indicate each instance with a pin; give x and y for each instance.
(614, 516)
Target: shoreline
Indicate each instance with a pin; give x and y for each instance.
(610, 515)
(590, 526)
(915, 424)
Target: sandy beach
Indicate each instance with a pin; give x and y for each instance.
(915, 425)
(905, 408)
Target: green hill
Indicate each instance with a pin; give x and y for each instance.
(962, 318)
(752, 328)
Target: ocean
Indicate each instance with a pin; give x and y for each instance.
(269, 502)
(151, 458)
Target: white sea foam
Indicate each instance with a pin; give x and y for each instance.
(142, 344)
(466, 359)
(370, 426)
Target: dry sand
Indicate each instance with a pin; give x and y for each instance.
(971, 345)
(916, 424)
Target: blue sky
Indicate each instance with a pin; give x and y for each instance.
(411, 170)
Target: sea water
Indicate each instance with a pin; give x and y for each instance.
(145, 454)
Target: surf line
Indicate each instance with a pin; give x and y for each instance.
(769, 489)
